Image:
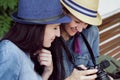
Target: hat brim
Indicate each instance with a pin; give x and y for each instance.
(64, 19)
(87, 19)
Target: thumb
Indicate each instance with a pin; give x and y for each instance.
(83, 67)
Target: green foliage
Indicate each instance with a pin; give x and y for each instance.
(6, 8)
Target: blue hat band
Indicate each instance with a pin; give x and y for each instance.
(43, 20)
(80, 9)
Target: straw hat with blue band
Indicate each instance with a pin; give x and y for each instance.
(40, 12)
(84, 10)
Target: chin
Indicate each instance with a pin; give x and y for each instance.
(48, 45)
(72, 34)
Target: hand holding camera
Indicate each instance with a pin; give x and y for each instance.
(82, 74)
(101, 74)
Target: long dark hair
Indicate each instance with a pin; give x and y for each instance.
(29, 38)
(58, 70)
(56, 49)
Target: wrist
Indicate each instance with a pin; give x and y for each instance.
(45, 76)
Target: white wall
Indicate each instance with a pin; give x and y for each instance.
(108, 7)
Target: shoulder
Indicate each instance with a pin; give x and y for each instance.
(8, 49)
(91, 31)
(9, 52)
(10, 60)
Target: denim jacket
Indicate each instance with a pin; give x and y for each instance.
(92, 35)
(15, 64)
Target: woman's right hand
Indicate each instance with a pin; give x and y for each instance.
(83, 74)
(45, 59)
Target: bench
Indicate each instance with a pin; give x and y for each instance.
(110, 36)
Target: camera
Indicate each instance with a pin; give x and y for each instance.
(101, 74)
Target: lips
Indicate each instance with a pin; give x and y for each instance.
(74, 30)
(52, 39)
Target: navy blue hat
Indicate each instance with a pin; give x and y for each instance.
(40, 12)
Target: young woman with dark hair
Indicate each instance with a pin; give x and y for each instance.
(23, 53)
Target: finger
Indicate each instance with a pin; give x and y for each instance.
(83, 67)
(48, 55)
(88, 72)
(45, 51)
(45, 54)
(90, 77)
(44, 58)
(45, 63)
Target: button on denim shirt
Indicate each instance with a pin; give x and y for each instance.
(92, 35)
(15, 64)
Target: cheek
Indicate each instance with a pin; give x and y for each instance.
(46, 42)
(70, 31)
(46, 37)
(67, 28)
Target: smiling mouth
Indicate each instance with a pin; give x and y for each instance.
(74, 29)
(52, 40)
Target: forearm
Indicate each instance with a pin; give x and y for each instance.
(69, 78)
(45, 76)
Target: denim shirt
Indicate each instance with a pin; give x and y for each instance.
(92, 35)
(15, 64)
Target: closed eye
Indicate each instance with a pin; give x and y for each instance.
(57, 27)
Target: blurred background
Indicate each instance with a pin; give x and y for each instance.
(110, 28)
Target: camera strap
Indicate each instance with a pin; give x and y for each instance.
(89, 49)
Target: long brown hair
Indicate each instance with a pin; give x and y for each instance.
(29, 38)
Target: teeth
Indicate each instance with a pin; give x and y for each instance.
(73, 28)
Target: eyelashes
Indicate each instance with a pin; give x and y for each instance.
(75, 28)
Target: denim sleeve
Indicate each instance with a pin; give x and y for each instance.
(8, 65)
(95, 44)
(15, 64)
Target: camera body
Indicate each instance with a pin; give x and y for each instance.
(102, 75)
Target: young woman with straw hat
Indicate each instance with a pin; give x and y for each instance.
(75, 54)
(85, 18)
(66, 59)
(23, 55)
